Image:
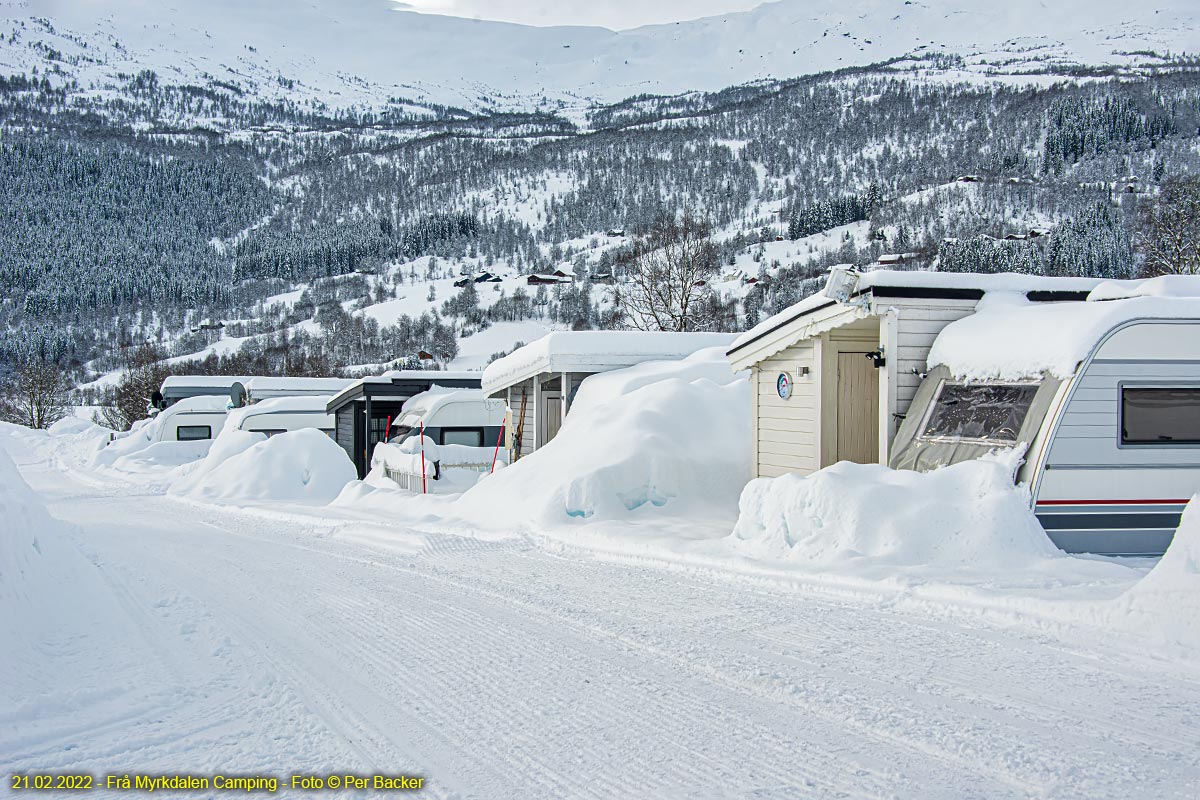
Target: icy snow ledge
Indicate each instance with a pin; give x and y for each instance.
(968, 516)
(1010, 338)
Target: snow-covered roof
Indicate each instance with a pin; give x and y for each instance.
(204, 402)
(922, 279)
(593, 351)
(1010, 338)
(201, 381)
(329, 385)
(430, 377)
(426, 404)
(436, 396)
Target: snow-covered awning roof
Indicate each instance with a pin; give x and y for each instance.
(593, 351)
(913, 283)
(1010, 338)
(418, 376)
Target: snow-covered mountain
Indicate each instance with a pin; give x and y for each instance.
(366, 52)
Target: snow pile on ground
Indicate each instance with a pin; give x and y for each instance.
(1166, 603)
(662, 434)
(304, 466)
(41, 579)
(161, 456)
(230, 442)
(1012, 338)
(967, 515)
(145, 432)
(86, 437)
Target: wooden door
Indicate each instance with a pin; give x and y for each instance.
(857, 409)
(551, 419)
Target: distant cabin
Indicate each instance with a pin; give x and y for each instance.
(539, 381)
(548, 279)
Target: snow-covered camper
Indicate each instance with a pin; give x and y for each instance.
(191, 419)
(177, 387)
(539, 380)
(834, 374)
(1103, 396)
(380, 399)
(451, 416)
(461, 429)
(284, 414)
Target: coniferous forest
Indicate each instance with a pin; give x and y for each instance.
(137, 219)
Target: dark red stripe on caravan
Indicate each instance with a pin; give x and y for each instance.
(1111, 502)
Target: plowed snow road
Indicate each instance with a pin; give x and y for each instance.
(252, 645)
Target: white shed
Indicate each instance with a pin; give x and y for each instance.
(539, 380)
(834, 374)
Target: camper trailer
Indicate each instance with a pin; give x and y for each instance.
(908, 369)
(191, 419)
(365, 409)
(539, 380)
(1102, 395)
(461, 430)
(284, 414)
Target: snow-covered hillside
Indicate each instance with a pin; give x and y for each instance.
(371, 53)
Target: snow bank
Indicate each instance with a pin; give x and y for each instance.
(966, 515)
(1011, 338)
(672, 435)
(230, 442)
(1166, 603)
(48, 599)
(304, 466)
(161, 456)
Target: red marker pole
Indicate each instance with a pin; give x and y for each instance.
(388, 429)
(423, 489)
(498, 441)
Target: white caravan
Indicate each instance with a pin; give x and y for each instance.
(284, 414)
(1103, 395)
(462, 429)
(179, 387)
(191, 419)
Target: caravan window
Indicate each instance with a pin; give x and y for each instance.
(1160, 415)
(471, 437)
(991, 412)
(193, 433)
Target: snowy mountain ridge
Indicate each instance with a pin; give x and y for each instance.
(374, 54)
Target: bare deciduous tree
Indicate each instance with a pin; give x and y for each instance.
(673, 261)
(144, 373)
(35, 395)
(1169, 236)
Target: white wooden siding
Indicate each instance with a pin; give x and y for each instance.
(786, 438)
(918, 322)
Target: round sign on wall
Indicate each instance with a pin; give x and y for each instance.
(783, 385)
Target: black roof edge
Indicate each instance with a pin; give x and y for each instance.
(787, 321)
(936, 293)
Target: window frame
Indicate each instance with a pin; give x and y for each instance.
(456, 429)
(1156, 445)
(180, 438)
(933, 405)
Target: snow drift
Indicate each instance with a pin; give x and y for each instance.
(965, 515)
(662, 434)
(304, 466)
(1166, 603)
